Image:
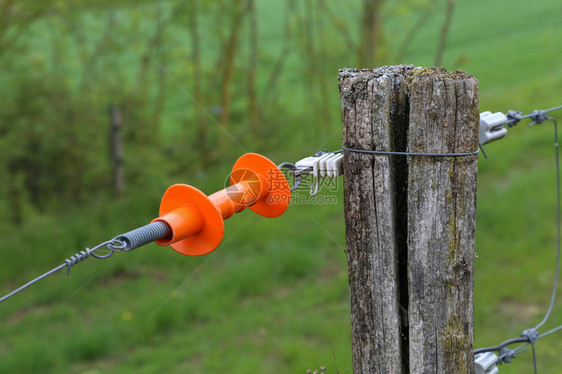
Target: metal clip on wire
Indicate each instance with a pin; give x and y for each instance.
(538, 116)
(514, 117)
(295, 171)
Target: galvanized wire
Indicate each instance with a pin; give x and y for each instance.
(395, 153)
(558, 219)
(121, 243)
(531, 336)
(71, 261)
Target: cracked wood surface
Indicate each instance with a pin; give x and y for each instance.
(410, 221)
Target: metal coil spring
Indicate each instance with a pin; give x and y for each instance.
(143, 235)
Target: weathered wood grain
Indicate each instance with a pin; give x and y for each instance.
(441, 221)
(370, 116)
(410, 221)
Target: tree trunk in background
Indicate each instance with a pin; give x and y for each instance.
(410, 224)
(143, 133)
(339, 24)
(200, 117)
(320, 68)
(284, 53)
(14, 194)
(117, 149)
(90, 67)
(370, 34)
(230, 49)
(444, 32)
(159, 104)
(317, 90)
(422, 20)
(253, 114)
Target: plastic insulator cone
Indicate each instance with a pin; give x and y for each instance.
(208, 238)
(272, 186)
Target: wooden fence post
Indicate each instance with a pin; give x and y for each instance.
(410, 220)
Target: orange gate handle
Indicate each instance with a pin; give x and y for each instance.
(197, 221)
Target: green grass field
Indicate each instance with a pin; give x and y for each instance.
(274, 297)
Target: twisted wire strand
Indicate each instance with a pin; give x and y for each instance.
(68, 263)
(73, 260)
(125, 242)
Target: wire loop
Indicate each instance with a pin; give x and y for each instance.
(99, 246)
(293, 170)
(116, 245)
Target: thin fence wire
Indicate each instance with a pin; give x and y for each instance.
(111, 245)
(531, 336)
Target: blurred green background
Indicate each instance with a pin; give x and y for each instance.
(197, 84)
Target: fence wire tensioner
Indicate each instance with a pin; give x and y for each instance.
(192, 223)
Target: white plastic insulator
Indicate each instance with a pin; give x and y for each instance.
(322, 171)
(326, 165)
(305, 162)
(485, 363)
(491, 127)
(335, 166)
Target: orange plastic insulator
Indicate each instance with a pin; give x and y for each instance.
(190, 236)
(231, 199)
(196, 220)
(275, 193)
(184, 221)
